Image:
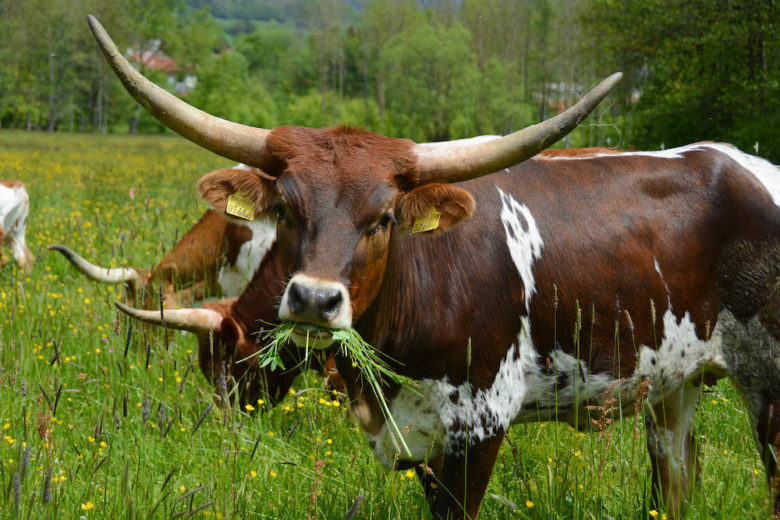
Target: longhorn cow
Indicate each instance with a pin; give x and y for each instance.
(671, 258)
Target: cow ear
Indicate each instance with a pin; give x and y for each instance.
(434, 208)
(232, 332)
(244, 186)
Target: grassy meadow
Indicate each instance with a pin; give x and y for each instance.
(96, 425)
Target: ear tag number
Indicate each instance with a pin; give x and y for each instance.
(241, 206)
(427, 222)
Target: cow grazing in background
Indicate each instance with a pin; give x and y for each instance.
(478, 285)
(215, 256)
(230, 334)
(14, 207)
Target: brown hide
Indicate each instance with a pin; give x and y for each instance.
(189, 271)
(605, 222)
(552, 153)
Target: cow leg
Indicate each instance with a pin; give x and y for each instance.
(764, 411)
(767, 433)
(464, 479)
(752, 349)
(672, 447)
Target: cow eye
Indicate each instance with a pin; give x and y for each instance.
(382, 223)
(278, 211)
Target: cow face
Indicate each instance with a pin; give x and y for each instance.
(338, 196)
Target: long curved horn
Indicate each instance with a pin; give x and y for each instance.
(95, 272)
(245, 144)
(199, 321)
(463, 160)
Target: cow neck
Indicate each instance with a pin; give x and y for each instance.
(435, 276)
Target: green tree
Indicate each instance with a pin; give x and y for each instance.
(704, 70)
(226, 89)
(382, 20)
(432, 76)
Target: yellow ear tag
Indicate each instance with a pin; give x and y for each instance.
(427, 222)
(241, 206)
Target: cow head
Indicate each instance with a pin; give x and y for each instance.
(338, 193)
(227, 353)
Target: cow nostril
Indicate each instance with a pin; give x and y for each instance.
(332, 303)
(295, 297)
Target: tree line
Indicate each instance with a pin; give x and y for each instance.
(428, 70)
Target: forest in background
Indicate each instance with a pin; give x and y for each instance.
(425, 69)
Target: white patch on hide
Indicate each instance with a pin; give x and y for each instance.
(767, 173)
(669, 441)
(234, 278)
(671, 153)
(417, 417)
(680, 356)
(490, 410)
(661, 276)
(14, 207)
(524, 241)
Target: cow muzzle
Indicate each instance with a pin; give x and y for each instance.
(315, 303)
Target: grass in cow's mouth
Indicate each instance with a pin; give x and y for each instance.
(373, 365)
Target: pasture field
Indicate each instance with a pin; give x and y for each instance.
(96, 426)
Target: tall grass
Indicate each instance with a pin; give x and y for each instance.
(99, 425)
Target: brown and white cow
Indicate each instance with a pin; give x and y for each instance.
(215, 256)
(14, 207)
(670, 259)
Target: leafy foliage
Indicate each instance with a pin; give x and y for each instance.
(428, 70)
(705, 70)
